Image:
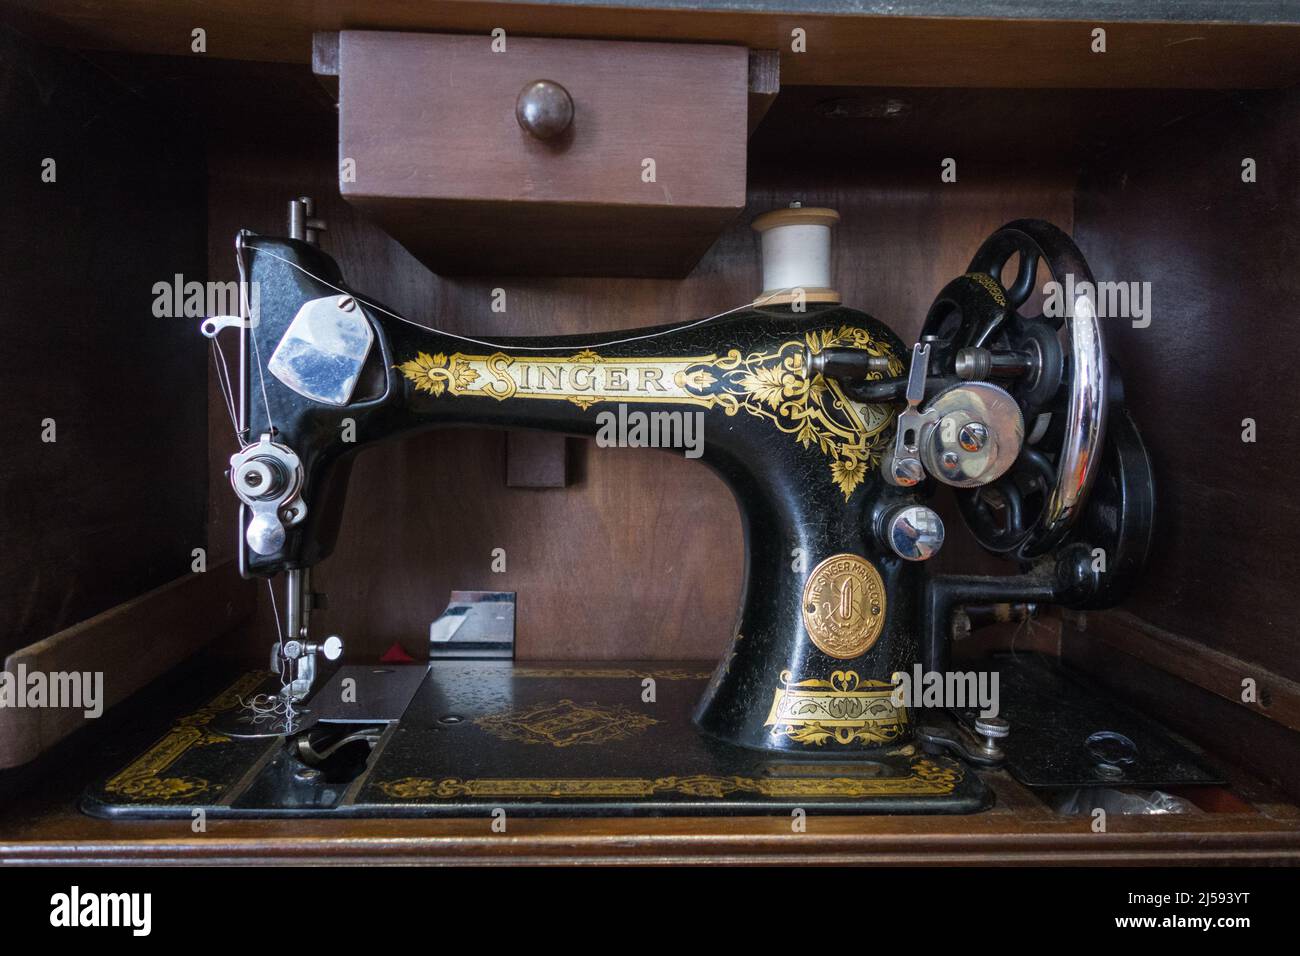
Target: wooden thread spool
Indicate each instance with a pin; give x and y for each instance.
(797, 255)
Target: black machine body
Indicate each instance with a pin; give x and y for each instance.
(831, 433)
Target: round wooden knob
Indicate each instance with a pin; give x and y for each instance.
(544, 109)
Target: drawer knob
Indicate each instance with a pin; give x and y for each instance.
(544, 109)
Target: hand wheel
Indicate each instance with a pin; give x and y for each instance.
(976, 331)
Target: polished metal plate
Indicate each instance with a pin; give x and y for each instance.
(378, 693)
(324, 349)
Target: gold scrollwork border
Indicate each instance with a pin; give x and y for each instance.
(625, 673)
(769, 384)
(843, 710)
(143, 778)
(926, 778)
(565, 723)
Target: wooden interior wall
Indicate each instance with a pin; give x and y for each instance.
(641, 556)
(1220, 255)
(114, 506)
(1221, 597)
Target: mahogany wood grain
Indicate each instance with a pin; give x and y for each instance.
(130, 645)
(841, 50)
(701, 842)
(115, 504)
(440, 161)
(536, 460)
(1271, 695)
(764, 74)
(1220, 255)
(764, 85)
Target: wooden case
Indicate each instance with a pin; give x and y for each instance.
(164, 152)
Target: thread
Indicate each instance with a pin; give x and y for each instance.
(796, 245)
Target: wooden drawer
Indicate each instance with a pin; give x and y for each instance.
(442, 163)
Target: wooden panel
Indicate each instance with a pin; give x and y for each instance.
(841, 50)
(433, 116)
(764, 84)
(983, 129)
(536, 460)
(443, 165)
(764, 74)
(1220, 256)
(1271, 696)
(1238, 734)
(115, 505)
(458, 238)
(129, 646)
(872, 841)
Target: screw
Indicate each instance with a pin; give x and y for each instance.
(972, 436)
(346, 303)
(992, 729)
(908, 471)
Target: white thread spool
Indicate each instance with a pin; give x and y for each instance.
(797, 254)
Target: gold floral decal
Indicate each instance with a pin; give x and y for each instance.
(925, 778)
(431, 373)
(143, 780)
(843, 710)
(772, 385)
(564, 723)
(852, 456)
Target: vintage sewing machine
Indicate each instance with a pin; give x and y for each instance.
(833, 435)
(657, 646)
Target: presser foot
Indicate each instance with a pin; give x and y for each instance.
(279, 708)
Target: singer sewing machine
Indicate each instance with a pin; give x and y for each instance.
(832, 433)
(456, 599)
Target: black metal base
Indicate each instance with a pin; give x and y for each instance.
(549, 740)
(1068, 732)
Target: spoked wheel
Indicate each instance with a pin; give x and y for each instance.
(1054, 365)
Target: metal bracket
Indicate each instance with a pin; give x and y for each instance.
(954, 742)
(477, 625)
(322, 352)
(902, 466)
